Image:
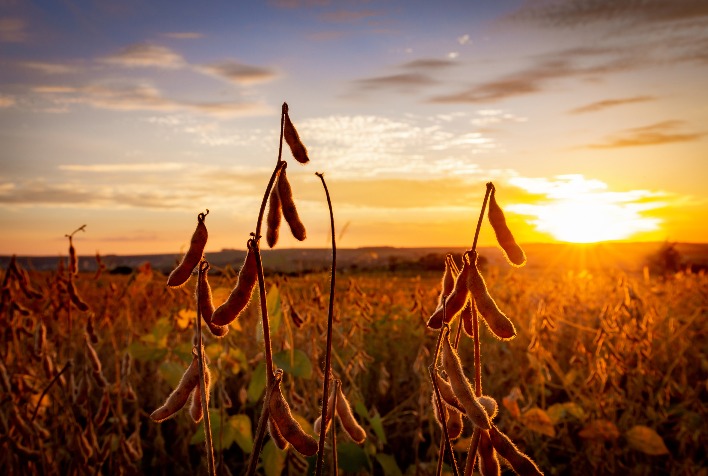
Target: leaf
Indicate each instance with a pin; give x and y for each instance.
(300, 366)
(185, 318)
(600, 429)
(243, 436)
(377, 425)
(275, 313)
(646, 440)
(389, 465)
(257, 384)
(273, 459)
(146, 353)
(535, 419)
(352, 457)
(564, 411)
(172, 372)
(221, 435)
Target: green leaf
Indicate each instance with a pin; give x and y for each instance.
(184, 352)
(377, 425)
(162, 328)
(565, 411)
(352, 457)
(300, 366)
(389, 465)
(243, 435)
(172, 372)
(275, 313)
(273, 459)
(257, 384)
(146, 353)
(213, 351)
(224, 435)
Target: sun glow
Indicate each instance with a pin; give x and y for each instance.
(578, 210)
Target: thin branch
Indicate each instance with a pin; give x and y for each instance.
(490, 187)
(262, 424)
(330, 323)
(203, 268)
(67, 365)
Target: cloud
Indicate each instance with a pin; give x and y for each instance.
(129, 168)
(51, 68)
(6, 101)
(583, 12)
(347, 16)
(186, 35)
(428, 64)
(414, 75)
(299, 3)
(12, 30)
(144, 97)
(145, 55)
(375, 146)
(654, 134)
(608, 103)
(238, 73)
(571, 63)
(403, 82)
(464, 39)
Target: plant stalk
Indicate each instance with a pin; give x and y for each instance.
(330, 323)
(203, 267)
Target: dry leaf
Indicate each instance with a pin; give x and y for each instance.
(600, 429)
(646, 440)
(537, 420)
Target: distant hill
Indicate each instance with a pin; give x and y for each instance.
(596, 256)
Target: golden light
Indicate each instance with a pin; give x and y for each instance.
(578, 210)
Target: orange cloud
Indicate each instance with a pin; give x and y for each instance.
(654, 134)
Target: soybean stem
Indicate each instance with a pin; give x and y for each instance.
(67, 365)
(262, 423)
(490, 187)
(203, 268)
(330, 322)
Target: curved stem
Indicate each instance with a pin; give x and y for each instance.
(67, 366)
(330, 322)
(203, 268)
(490, 187)
(262, 423)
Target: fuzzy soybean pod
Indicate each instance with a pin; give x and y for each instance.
(330, 412)
(498, 323)
(179, 396)
(455, 302)
(289, 427)
(461, 386)
(447, 393)
(490, 405)
(453, 419)
(512, 250)
(293, 139)
(195, 409)
(75, 298)
(285, 193)
(241, 294)
(467, 317)
(194, 254)
(488, 462)
(448, 279)
(346, 416)
(519, 462)
(206, 303)
(277, 437)
(73, 258)
(275, 211)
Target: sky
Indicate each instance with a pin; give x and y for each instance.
(132, 117)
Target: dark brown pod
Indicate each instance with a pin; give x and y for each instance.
(179, 396)
(455, 302)
(194, 254)
(287, 202)
(512, 250)
(289, 427)
(277, 437)
(346, 417)
(498, 323)
(519, 462)
(275, 211)
(241, 294)
(488, 462)
(293, 139)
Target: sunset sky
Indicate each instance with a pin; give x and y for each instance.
(591, 118)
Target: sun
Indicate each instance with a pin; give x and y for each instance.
(578, 210)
